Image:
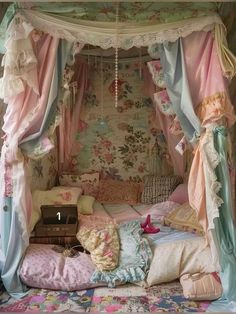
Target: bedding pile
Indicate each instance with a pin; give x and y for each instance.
(117, 249)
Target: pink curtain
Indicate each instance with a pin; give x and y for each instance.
(164, 122)
(25, 111)
(208, 86)
(209, 90)
(70, 124)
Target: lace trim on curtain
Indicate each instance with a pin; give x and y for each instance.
(215, 107)
(211, 159)
(104, 34)
(20, 63)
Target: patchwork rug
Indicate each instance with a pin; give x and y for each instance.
(128, 298)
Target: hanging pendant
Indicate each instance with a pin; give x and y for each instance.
(116, 56)
(116, 77)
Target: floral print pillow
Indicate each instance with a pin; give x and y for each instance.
(89, 182)
(103, 244)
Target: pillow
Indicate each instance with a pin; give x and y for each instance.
(134, 259)
(85, 204)
(201, 286)
(56, 196)
(160, 210)
(103, 244)
(184, 218)
(89, 182)
(114, 191)
(180, 194)
(157, 189)
(44, 268)
(173, 259)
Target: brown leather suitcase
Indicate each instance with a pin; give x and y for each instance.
(57, 220)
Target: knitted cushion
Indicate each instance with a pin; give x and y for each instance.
(158, 189)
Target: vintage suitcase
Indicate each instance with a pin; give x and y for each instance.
(57, 220)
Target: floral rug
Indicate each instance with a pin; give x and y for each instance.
(128, 298)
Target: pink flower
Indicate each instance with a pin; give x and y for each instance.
(141, 168)
(113, 308)
(108, 157)
(106, 143)
(82, 125)
(97, 299)
(119, 85)
(66, 196)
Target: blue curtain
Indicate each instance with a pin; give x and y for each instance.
(172, 61)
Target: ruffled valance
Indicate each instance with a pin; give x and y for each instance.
(104, 34)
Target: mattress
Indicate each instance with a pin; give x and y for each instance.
(120, 212)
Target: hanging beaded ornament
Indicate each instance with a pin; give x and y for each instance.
(116, 56)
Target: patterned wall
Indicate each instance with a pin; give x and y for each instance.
(121, 142)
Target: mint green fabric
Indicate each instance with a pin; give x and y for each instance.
(11, 10)
(135, 257)
(225, 232)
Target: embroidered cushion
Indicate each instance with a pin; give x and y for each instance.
(184, 218)
(103, 244)
(114, 191)
(44, 268)
(180, 194)
(89, 182)
(201, 286)
(158, 189)
(85, 204)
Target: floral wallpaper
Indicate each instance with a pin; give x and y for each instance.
(161, 12)
(123, 142)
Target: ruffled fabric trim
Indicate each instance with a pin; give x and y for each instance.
(20, 63)
(215, 107)
(132, 274)
(128, 272)
(104, 34)
(211, 160)
(10, 86)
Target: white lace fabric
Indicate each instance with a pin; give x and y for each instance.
(211, 159)
(20, 63)
(104, 34)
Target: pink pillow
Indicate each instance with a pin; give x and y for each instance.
(44, 268)
(180, 194)
(114, 191)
